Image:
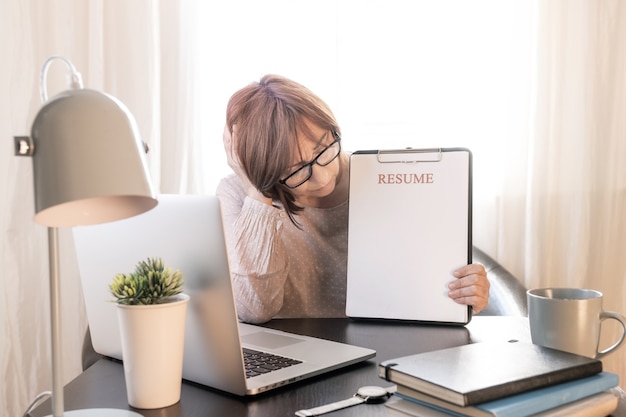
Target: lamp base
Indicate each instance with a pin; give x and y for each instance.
(100, 412)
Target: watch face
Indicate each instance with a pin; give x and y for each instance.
(372, 393)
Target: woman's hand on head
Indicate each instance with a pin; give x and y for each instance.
(233, 162)
(471, 287)
(231, 154)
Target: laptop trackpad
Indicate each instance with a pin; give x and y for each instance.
(269, 340)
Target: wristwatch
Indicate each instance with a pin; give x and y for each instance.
(367, 395)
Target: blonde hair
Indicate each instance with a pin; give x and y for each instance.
(266, 117)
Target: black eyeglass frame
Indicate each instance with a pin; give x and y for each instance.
(309, 165)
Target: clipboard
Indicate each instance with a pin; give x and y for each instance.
(409, 228)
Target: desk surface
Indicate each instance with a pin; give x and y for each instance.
(102, 385)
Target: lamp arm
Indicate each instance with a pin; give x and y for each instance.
(76, 80)
(55, 323)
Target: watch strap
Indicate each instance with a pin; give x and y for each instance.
(323, 409)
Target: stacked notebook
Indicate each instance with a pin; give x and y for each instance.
(503, 379)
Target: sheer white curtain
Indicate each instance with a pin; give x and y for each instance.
(535, 89)
(562, 213)
(132, 50)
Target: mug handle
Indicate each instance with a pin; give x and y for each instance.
(615, 316)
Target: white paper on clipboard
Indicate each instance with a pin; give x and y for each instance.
(410, 227)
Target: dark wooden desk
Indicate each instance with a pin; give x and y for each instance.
(102, 385)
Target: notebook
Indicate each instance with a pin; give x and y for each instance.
(409, 229)
(456, 374)
(186, 232)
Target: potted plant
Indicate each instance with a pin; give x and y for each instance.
(151, 311)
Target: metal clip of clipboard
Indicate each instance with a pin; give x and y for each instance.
(409, 156)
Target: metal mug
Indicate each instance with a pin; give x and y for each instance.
(570, 319)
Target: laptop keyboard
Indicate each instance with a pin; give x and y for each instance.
(258, 363)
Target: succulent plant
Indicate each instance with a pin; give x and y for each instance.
(150, 283)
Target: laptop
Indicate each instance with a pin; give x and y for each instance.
(186, 232)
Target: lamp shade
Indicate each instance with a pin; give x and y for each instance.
(88, 161)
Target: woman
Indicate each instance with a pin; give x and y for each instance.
(285, 208)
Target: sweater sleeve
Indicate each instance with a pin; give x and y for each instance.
(257, 256)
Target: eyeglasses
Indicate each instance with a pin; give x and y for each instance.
(304, 173)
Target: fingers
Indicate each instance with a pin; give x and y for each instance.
(470, 269)
(233, 161)
(227, 137)
(471, 287)
(231, 153)
(228, 147)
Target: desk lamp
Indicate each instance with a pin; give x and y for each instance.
(89, 167)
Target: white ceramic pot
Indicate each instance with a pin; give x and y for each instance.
(153, 340)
